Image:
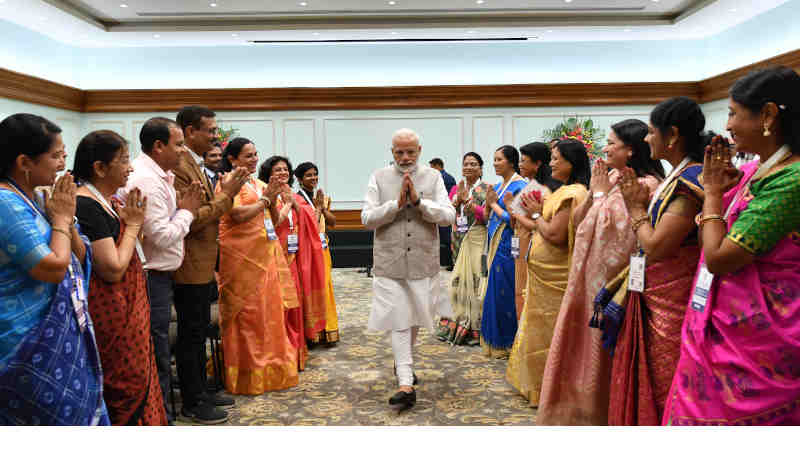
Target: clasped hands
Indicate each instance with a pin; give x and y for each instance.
(719, 174)
(408, 193)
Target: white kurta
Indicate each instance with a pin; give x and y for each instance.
(399, 304)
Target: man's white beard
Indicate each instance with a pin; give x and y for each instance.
(406, 167)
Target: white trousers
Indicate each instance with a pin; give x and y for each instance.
(402, 346)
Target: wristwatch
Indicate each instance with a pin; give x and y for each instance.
(536, 215)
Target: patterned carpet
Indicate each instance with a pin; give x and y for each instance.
(350, 383)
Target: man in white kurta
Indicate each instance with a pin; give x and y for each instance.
(405, 204)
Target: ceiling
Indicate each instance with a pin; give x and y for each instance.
(149, 23)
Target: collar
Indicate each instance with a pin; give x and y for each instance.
(150, 163)
(197, 158)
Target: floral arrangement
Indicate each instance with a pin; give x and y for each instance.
(225, 135)
(580, 129)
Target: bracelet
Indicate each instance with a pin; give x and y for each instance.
(711, 217)
(638, 222)
(64, 232)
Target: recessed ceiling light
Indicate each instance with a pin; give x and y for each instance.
(394, 32)
(303, 4)
(315, 33)
(234, 35)
(392, 2)
(480, 2)
(156, 36)
(213, 5)
(568, 1)
(123, 5)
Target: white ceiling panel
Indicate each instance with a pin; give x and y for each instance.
(157, 23)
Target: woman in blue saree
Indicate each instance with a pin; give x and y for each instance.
(49, 366)
(499, 321)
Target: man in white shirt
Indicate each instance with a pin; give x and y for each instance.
(404, 204)
(167, 221)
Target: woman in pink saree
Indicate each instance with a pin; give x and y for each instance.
(740, 351)
(578, 371)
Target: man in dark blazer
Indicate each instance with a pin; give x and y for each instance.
(445, 233)
(195, 284)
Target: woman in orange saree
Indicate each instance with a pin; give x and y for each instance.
(297, 231)
(307, 175)
(647, 312)
(256, 288)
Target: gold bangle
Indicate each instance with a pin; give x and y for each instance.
(638, 222)
(711, 217)
(64, 232)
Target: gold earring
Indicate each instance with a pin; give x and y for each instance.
(767, 133)
(670, 146)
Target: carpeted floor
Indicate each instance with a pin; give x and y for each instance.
(350, 383)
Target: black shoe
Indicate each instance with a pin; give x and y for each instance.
(404, 399)
(205, 413)
(220, 399)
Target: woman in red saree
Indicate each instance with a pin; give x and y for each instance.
(255, 284)
(648, 312)
(118, 301)
(740, 357)
(297, 230)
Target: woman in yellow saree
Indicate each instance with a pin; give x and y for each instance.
(548, 266)
(256, 287)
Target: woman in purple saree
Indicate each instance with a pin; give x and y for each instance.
(740, 351)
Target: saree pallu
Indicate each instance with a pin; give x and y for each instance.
(575, 385)
(121, 315)
(255, 283)
(740, 358)
(330, 334)
(548, 270)
(648, 347)
(54, 375)
(466, 297)
(499, 315)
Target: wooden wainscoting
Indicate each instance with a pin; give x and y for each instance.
(716, 88)
(26, 88)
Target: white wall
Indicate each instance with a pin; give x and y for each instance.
(349, 145)
(70, 122)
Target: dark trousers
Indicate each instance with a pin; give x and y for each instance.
(446, 253)
(160, 289)
(192, 303)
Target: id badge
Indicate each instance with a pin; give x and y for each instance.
(77, 304)
(515, 247)
(323, 240)
(462, 225)
(292, 243)
(271, 235)
(702, 288)
(636, 274)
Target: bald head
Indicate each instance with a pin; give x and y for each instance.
(405, 148)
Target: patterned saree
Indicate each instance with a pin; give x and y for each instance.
(548, 270)
(740, 357)
(649, 322)
(256, 289)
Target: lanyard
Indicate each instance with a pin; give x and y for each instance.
(672, 175)
(469, 197)
(32, 204)
(102, 200)
(305, 196)
(503, 191)
(765, 167)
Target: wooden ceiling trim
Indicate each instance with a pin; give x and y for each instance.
(716, 88)
(26, 88)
